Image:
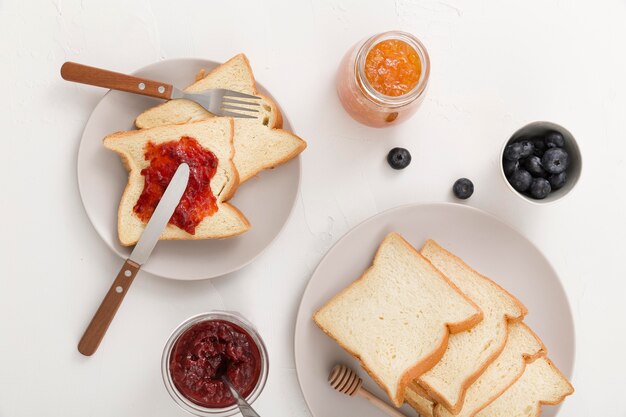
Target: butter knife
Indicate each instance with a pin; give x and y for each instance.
(113, 299)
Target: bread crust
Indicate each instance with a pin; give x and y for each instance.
(506, 319)
(429, 359)
(235, 181)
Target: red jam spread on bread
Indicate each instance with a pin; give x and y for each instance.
(208, 350)
(198, 200)
(392, 67)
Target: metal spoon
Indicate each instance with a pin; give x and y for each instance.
(245, 408)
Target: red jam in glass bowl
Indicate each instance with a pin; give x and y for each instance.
(208, 350)
(198, 200)
(207, 347)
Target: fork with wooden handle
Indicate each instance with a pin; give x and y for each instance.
(346, 381)
(218, 101)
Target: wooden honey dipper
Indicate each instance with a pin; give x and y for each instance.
(346, 381)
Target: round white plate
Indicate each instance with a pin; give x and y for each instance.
(102, 178)
(484, 242)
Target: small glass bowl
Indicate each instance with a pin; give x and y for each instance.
(189, 405)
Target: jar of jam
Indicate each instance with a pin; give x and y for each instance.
(382, 80)
(204, 349)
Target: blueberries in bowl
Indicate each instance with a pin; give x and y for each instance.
(535, 161)
(399, 158)
(463, 188)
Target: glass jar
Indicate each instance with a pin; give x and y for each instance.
(191, 406)
(367, 105)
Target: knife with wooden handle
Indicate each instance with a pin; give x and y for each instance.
(113, 299)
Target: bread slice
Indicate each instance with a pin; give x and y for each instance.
(259, 143)
(215, 135)
(420, 403)
(541, 383)
(522, 347)
(470, 352)
(396, 318)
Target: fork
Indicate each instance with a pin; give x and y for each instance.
(218, 101)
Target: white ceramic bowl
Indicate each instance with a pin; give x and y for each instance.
(575, 160)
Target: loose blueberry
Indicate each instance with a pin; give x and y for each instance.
(520, 180)
(533, 165)
(513, 151)
(555, 160)
(558, 180)
(540, 146)
(509, 167)
(463, 188)
(540, 188)
(527, 148)
(399, 158)
(554, 139)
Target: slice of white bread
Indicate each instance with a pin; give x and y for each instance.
(424, 406)
(215, 135)
(396, 318)
(522, 347)
(469, 352)
(259, 143)
(541, 383)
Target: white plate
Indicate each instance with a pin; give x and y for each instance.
(102, 178)
(484, 242)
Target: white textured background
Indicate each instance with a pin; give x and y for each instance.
(496, 65)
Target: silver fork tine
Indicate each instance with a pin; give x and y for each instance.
(232, 93)
(235, 114)
(233, 101)
(228, 107)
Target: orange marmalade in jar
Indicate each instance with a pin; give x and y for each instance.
(382, 80)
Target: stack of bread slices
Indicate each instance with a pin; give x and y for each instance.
(436, 334)
(243, 148)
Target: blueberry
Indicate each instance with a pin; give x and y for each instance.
(540, 146)
(518, 150)
(399, 158)
(509, 167)
(463, 188)
(513, 151)
(533, 165)
(558, 180)
(520, 180)
(527, 148)
(540, 188)
(554, 139)
(555, 160)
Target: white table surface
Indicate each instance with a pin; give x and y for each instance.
(496, 65)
